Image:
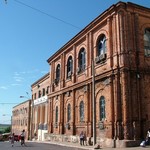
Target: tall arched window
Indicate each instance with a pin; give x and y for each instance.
(101, 49)
(39, 94)
(81, 111)
(69, 112)
(102, 112)
(81, 60)
(69, 66)
(56, 114)
(58, 73)
(147, 42)
(102, 45)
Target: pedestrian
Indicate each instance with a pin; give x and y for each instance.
(12, 139)
(22, 136)
(148, 136)
(85, 139)
(143, 143)
(81, 138)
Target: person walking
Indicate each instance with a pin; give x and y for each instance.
(81, 138)
(148, 136)
(85, 139)
(12, 139)
(22, 136)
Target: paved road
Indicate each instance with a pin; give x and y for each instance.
(57, 146)
(33, 146)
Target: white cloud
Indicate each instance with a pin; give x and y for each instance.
(3, 87)
(16, 74)
(15, 84)
(18, 78)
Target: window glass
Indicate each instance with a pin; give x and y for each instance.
(147, 42)
(102, 45)
(69, 113)
(56, 115)
(82, 59)
(43, 91)
(58, 72)
(81, 111)
(34, 95)
(102, 108)
(69, 66)
(39, 94)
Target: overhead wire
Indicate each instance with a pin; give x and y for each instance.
(42, 12)
(8, 103)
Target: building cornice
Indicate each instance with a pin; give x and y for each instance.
(107, 13)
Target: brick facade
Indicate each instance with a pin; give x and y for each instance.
(122, 76)
(115, 42)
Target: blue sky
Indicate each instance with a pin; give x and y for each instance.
(30, 32)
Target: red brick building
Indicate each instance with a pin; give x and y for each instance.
(118, 42)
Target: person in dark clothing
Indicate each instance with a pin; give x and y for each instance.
(22, 136)
(12, 139)
(81, 138)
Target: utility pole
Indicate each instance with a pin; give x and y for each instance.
(94, 104)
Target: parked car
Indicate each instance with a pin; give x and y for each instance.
(1, 137)
(4, 136)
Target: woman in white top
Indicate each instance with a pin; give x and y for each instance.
(148, 136)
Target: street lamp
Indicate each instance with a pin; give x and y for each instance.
(6, 115)
(31, 113)
(22, 96)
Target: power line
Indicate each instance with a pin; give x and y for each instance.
(42, 12)
(8, 103)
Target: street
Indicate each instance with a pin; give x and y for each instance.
(59, 146)
(33, 146)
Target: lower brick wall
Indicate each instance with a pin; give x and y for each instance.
(102, 142)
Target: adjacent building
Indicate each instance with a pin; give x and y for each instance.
(39, 123)
(21, 117)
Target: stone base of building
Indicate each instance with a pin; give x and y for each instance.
(127, 143)
(110, 143)
(61, 138)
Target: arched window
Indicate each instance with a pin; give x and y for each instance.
(81, 60)
(101, 49)
(69, 66)
(39, 94)
(102, 45)
(43, 93)
(147, 42)
(69, 112)
(58, 73)
(56, 114)
(81, 111)
(102, 108)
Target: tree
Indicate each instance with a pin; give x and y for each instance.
(7, 130)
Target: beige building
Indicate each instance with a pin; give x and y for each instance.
(39, 123)
(102, 73)
(21, 114)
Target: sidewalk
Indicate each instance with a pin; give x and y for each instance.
(78, 146)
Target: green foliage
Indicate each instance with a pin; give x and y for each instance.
(7, 130)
